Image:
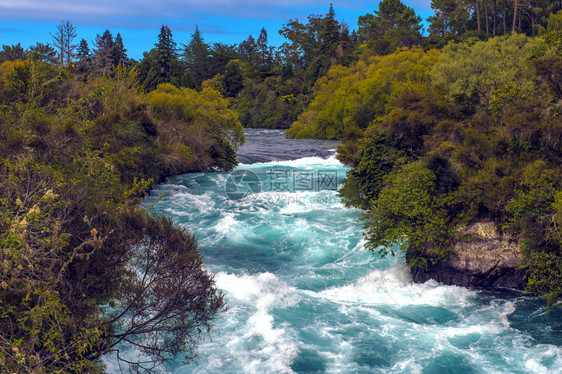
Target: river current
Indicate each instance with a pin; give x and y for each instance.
(304, 296)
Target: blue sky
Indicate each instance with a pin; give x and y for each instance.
(139, 21)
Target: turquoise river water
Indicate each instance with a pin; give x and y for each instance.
(304, 296)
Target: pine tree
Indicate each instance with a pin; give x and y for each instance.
(449, 17)
(220, 55)
(393, 25)
(84, 57)
(166, 55)
(12, 52)
(263, 58)
(103, 53)
(197, 57)
(43, 52)
(119, 51)
(161, 63)
(330, 34)
(248, 49)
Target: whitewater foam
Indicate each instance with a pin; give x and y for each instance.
(305, 296)
(273, 347)
(305, 162)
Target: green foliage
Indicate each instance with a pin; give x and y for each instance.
(269, 104)
(41, 330)
(233, 79)
(373, 160)
(277, 84)
(11, 53)
(408, 212)
(393, 26)
(196, 56)
(473, 72)
(179, 298)
(76, 159)
(445, 19)
(352, 97)
(534, 212)
(201, 122)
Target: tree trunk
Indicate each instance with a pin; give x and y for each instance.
(494, 16)
(516, 5)
(478, 14)
(504, 17)
(486, 16)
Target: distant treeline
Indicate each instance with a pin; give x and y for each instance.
(270, 86)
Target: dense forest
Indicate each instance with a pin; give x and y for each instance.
(440, 127)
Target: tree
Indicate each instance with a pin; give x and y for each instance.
(248, 49)
(196, 56)
(300, 49)
(165, 57)
(103, 53)
(263, 58)
(119, 51)
(84, 270)
(220, 55)
(330, 35)
(43, 52)
(450, 16)
(394, 25)
(165, 312)
(233, 79)
(350, 98)
(366, 28)
(12, 52)
(83, 50)
(473, 73)
(84, 56)
(515, 11)
(63, 41)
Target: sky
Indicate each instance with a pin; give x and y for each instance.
(139, 21)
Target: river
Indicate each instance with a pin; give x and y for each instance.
(304, 296)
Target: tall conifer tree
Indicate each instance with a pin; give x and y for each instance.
(330, 34)
(166, 53)
(263, 57)
(103, 53)
(119, 51)
(196, 56)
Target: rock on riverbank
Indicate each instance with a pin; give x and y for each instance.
(484, 258)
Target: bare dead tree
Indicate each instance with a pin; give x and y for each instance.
(63, 41)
